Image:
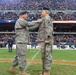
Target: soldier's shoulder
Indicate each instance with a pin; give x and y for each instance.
(48, 18)
(21, 20)
(17, 20)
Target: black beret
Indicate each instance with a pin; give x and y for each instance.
(22, 13)
(45, 8)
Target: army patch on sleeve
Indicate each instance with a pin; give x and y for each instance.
(48, 22)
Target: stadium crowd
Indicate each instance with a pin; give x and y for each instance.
(4, 39)
(65, 38)
(57, 16)
(58, 39)
(63, 16)
(37, 4)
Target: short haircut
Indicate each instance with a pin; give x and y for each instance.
(22, 13)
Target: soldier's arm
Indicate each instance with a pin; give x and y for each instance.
(49, 26)
(49, 30)
(22, 23)
(33, 25)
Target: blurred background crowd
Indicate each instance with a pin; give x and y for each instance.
(56, 16)
(58, 39)
(59, 10)
(37, 4)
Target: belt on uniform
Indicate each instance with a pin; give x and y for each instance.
(21, 43)
(19, 28)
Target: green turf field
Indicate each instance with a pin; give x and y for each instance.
(34, 68)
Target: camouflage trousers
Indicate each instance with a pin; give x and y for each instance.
(48, 55)
(20, 58)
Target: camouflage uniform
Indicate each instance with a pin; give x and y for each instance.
(22, 38)
(45, 33)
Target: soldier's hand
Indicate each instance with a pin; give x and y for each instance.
(46, 41)
(40, 20)
(36, 40)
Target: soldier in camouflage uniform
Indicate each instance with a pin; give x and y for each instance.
(45, 36)
(22, 39)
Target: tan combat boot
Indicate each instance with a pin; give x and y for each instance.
(46, 73)
(12, 70)
(41, 72)
(23, 73)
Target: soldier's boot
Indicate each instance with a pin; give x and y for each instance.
(23, 73)
(12, 70)
(41, 72)
(46, 73)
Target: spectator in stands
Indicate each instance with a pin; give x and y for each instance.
(10, 44)
(0, 43)
(58, 45)
(75, 43)
(37, 4)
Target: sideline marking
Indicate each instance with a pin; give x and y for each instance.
(60, 62)
(32, 59)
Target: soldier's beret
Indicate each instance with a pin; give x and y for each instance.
(45, 8)
(22, 13)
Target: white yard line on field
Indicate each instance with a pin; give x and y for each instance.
(66, 64)
(32, 59)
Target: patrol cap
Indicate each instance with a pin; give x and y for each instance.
(22, 13)
(45, 8)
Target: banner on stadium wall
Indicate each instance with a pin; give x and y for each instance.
(38, 47)
(7, 21)
(64, 21)
(13, 21)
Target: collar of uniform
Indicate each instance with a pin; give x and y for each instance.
(45, 17)
(22, 19)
